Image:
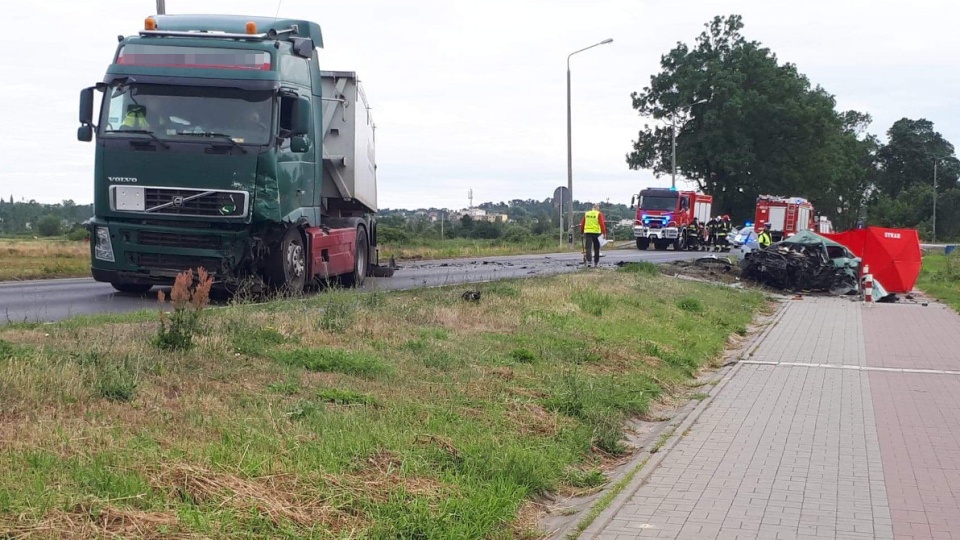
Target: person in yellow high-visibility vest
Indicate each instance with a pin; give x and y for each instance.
(136, 118)
(764, 239)
(592, 226)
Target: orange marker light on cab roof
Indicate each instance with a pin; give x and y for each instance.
(150, 23)
(251, 27)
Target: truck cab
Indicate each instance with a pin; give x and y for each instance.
(662, 214)
(210, 152)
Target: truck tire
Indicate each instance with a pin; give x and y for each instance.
(135, 288)
(361, 262)
(286, 268)
(661, 245)
(643, 244)
(680, 243)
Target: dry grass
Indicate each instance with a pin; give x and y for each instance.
(87, 521)
(43, 258)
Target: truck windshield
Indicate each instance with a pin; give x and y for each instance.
(658, 203)
(183, 112)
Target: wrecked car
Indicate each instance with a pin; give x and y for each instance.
(804, 262)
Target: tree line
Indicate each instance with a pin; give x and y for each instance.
(39, 219)
(747, 124)
(528, 220)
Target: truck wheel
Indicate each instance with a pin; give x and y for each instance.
(643, 243)
(287, 267)
(135, 288)
(360, 262)
(680, 243)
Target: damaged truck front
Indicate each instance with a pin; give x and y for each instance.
(805, 262)
(220, 144)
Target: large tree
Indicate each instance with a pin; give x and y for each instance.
(904, 185)
(748, 125)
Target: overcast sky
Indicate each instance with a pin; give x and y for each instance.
(472, 95)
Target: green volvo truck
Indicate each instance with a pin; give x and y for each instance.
(221, 144)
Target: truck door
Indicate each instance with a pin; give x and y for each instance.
(295, 170)
(778, 217)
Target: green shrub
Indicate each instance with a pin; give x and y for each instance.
(176, 333)
(49, 226)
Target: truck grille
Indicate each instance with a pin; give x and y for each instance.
(174, 262)
(152, 200)
(165, 239)
(194, 202)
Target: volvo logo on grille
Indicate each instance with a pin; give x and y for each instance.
(178, 202)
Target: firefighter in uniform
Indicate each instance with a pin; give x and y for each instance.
(712, 225)
(693, 235)
(724, 228)
(764, 239)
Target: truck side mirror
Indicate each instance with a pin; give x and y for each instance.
(301, 116)
(299, 144)
(86, 106)
(85, 133)
(633, 201)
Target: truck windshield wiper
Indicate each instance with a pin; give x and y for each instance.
(141, 132)
(214, 135)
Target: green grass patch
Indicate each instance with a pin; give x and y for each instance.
(334, 360)
(940, 278)
(345, 397)
(642, 268)
(388, 415)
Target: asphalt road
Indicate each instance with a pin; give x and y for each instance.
(57, 299)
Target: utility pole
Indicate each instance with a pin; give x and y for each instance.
(161, 7)
(673, 151)
(935, 201)
(441, 224)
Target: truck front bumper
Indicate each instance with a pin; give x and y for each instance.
(668, 233)
(122, 252)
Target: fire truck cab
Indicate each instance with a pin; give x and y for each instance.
(662, 214)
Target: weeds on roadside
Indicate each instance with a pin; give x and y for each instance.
(177, 331)
(337, 315)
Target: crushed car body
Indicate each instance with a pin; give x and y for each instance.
(804, 262)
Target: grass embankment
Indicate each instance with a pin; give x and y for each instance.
(940, 277)
(346, 415)
(29, 258)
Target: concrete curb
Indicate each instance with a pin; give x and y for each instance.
(653, 460)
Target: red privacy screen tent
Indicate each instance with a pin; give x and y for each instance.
(892, 254)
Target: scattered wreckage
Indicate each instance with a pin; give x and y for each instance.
(805, 262)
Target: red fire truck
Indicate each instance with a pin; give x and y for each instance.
(663, 213)
(786, 215)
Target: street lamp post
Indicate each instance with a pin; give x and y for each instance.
(673, 144)
(935, 201)
(570, 134)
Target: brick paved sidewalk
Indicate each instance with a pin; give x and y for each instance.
(825, 432)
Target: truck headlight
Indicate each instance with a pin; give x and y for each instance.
(103, 249)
